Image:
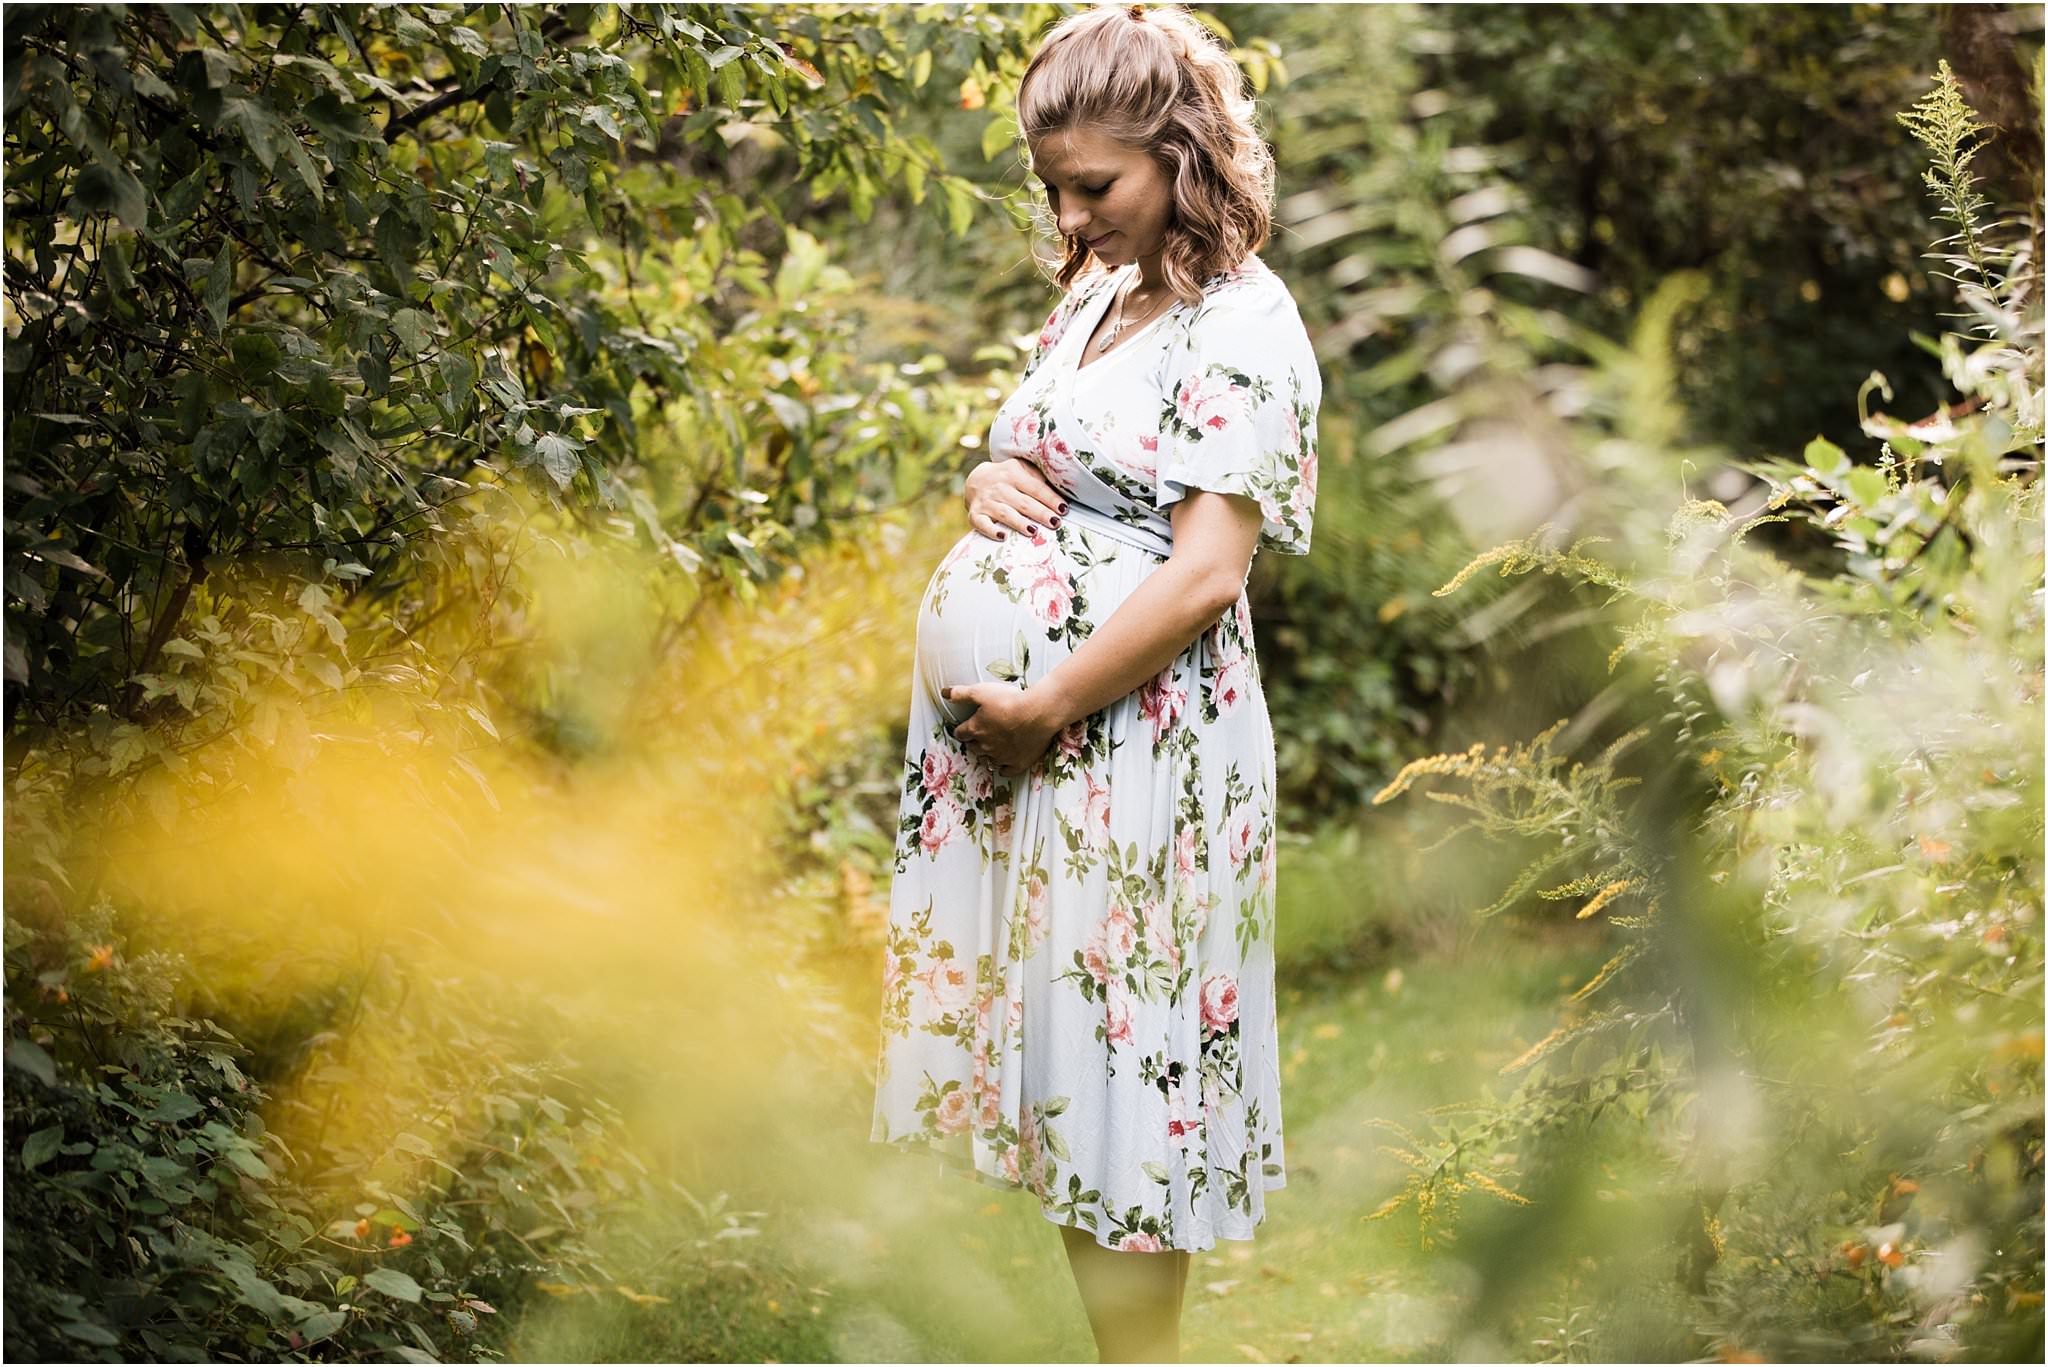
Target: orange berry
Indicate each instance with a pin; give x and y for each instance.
(1853, 1253)
(362, 1229)
(399, 1238)
(1888, 1254)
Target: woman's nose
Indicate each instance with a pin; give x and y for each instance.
(1071, 224)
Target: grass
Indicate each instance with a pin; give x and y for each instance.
(1388, 1006)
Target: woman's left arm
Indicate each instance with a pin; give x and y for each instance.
(1214, 535)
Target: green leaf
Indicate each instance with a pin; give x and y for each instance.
(959, 204)
(558, 455)
(319, 1326)
(220, 281)
(174, 1107)
(393, 1283)
(412, 327)
(265, 133)
(25, 1054)
(1000, 133)
(89, 1333)
(1867, 486)
(40, 1147)
(1824, 456)
(246, 1161)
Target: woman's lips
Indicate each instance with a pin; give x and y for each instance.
(1095, 242)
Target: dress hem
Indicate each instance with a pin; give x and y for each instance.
(954, 1163)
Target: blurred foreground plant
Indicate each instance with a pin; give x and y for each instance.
(1824, 1010)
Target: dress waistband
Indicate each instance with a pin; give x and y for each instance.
(1095, 520)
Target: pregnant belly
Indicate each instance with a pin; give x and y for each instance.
(985, 613)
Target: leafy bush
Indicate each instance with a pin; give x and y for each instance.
(1825, 876)
(153, 1212)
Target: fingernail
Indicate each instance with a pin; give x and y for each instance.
(1031, 526)
(1063, 507)
(1055, 522)
(1001, 535)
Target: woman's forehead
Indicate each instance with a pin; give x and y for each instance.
(1079, 154)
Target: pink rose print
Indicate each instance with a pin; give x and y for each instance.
(941, 824)
(981, 778)
(1232, 680)
(939, 767)
(892, 977)
(1032, 551)
(1058, 460)
(1240, 839)
(1007, 1165)
(1119, 935)
(1140, 1243)
(1241, 610)
(1219, 1001)
(1095, 952)
(1013, 1016)
(1116, 1013)
(1160, 703)
(1050, 333)
(1293, 431)
(1185, 847)
(1072, 737)
(1209, 402)
(1159, 938)
(1308, 472)
(1052, 598)
(1148, 462)
(1096, 822)
(1268, 856)
(951, 1116)
(1024, 431)
(1177, 1123)
(1036, 922)
(950, 987)
(1302, 502)
(991, 1107)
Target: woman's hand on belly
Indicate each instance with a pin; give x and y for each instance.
(1011, 493)
(1011, 725)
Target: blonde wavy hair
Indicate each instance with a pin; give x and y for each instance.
(1152, 77)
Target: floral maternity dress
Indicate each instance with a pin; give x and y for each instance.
(1078, 995)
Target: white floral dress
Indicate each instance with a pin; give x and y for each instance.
(1078, 993)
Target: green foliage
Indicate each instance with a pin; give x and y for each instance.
(290, 284)
(152, 1211)
(1853, 916)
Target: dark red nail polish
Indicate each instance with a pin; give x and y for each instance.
(1001, 535)
(1031, 526)
(1055, 522)
(1063, 507)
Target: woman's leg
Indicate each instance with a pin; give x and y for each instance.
(1132, 1299)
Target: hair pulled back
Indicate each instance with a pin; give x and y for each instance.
(1153, 78)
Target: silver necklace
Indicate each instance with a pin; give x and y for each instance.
(1119, 323)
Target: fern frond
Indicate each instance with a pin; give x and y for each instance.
(1608, 970)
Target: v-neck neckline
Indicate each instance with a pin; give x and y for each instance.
(1095, 315)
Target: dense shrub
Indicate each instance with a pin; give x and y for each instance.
(1815, 828)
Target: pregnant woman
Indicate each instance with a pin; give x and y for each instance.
(1078, 998)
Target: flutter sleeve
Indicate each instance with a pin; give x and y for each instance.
(1241, 395)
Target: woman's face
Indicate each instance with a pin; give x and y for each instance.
(1112, 196)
